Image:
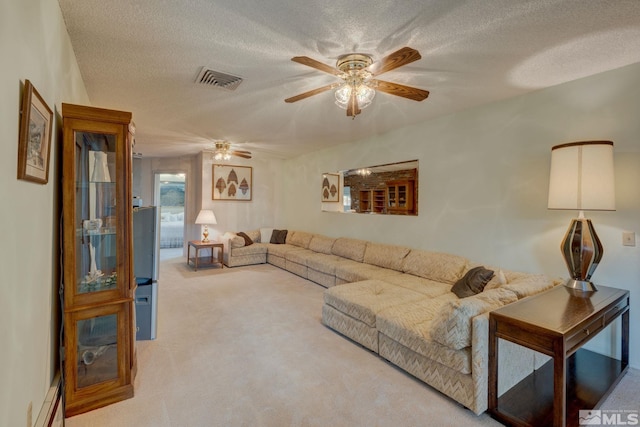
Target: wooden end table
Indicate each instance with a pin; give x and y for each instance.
(558, 323)
(199, 245)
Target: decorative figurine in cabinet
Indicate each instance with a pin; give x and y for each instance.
(98, 284)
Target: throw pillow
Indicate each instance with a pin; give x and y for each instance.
(473, 282)
(278, 237)
(247, 239)
(265, 234)
(497, 281)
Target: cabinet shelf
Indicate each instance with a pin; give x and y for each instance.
(111, 231)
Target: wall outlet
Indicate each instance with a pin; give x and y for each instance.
(628, 238)
(30, 415)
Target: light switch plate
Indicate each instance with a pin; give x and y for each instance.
(628, 238)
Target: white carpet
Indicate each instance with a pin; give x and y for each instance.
(246, 347)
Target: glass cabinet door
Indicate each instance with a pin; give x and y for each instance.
(99, 355)
(402, 196)
(96, 215)
(391, 196)
(97, 350)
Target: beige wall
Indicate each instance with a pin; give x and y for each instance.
(484, 177)
(34, 45)
(265, 208)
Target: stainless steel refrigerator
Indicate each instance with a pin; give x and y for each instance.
(146, 261)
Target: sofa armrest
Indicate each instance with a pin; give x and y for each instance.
(514, 362)
(452, 326)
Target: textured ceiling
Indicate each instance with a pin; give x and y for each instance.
(144, 56)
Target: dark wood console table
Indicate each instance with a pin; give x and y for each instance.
(558, 323)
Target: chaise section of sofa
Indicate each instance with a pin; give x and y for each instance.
(418, 324)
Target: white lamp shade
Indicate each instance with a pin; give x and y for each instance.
(582, 176)
(206, 216)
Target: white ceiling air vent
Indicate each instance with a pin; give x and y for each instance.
(217, 79)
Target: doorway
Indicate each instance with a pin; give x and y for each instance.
(170, 192)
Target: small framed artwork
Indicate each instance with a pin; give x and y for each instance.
(330, 187)
(34, 144)
(232, 182)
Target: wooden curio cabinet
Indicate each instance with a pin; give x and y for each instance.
(400, 197)
(98, 283)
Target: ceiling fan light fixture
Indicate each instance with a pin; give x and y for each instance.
(223, 151)
(364, 95)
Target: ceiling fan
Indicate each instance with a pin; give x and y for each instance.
(357, 70)
(223, 151)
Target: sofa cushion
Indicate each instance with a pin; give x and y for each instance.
(299, 238)
(278, 237)
(349, 248)
(299, 256)
(256, 248)
(473, 282)
(325, 263)
(452, 325)
(436, 266)
(386, 256)
(424, 286)
(281, 250)
(322, 244)
(363, 300)
(355, 271)
(525, 285)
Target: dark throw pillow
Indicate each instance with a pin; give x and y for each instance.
(278, 237)
(247, 239)
(473, 282)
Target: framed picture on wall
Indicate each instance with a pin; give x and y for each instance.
(34, 142)
(231, 182)
(330, 187)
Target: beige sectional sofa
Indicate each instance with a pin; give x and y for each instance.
(397, 302)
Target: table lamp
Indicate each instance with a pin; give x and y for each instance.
(206, 217)
(582, 178)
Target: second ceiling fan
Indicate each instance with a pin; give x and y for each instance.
(357, 70)
(223, 151)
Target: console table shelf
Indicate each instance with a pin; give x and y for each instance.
(558, 323)
(531, 400)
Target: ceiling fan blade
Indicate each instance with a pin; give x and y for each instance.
(401, 90)
(243, 155)
(312, 92)
(353, 109)
(401, 57)
(309, 62)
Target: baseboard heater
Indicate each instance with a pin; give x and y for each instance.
(52, 413)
